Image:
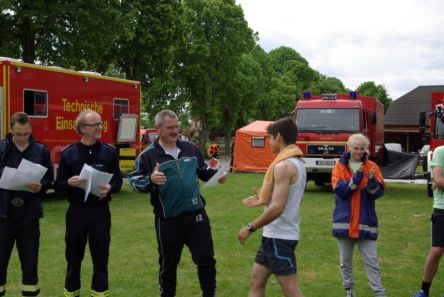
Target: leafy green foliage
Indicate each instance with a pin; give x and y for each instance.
(369, 88)
(217, 35)
(327, 84)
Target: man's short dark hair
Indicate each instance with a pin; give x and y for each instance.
(286, 127)
(19, 117)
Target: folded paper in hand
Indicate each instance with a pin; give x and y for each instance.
(213, 181)
(94, 178)
(17, 179)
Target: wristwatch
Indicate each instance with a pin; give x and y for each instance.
(250, 227)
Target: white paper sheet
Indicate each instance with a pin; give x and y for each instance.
(18, 179)
(94, 178)
(213, 180)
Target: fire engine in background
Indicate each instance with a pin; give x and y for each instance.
(147, 136)
(325, 123)
(436, 133)
(53, 97)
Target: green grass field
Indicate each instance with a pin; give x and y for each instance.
(404, 241)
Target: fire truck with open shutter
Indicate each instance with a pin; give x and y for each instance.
(53, 97)
(325, 123)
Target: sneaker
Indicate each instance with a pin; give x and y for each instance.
(421, 293)
(351, 293)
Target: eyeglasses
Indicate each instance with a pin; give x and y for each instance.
(96, 125)
(17, 134)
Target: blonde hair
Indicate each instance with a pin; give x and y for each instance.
(358, 138)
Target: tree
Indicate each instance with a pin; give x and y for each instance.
(283, 54)
(153, 30)
(25, 27)
(254, 81)
(217, 35)
(326, 84)
(72, 34)
(290, 76)
(369, 88)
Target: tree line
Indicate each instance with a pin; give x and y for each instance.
(197, 57)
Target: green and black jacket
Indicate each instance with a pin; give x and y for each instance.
(180, 194)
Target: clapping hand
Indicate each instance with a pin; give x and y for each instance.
(252, 201)
(371, 173)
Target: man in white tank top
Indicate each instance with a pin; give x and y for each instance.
(280, 219)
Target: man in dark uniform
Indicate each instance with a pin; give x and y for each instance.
(88, 220)
(20, 211)
(169, 169)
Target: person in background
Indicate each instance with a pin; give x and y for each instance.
(357, 182)
(213, 153)
(87, 220)
(169, 169)
(213, 150)
(232, 153)
(437, 249)
(281, 218)
(20, 211)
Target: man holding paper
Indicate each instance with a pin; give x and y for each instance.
(92, 166)
(20, 210)
(169, 169)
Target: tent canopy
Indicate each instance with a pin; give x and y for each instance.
(252, 152)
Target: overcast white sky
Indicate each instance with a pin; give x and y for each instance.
(396, 43)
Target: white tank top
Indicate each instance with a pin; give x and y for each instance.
(286, 226)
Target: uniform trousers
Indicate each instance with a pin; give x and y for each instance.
(367, 249)
(90, 224)
(25, 233)
(194, 231)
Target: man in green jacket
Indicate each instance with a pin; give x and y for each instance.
(169, 169)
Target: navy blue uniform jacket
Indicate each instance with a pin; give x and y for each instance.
(100, 156)
(10, 156)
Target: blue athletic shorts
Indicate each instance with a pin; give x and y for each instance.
(277, 255)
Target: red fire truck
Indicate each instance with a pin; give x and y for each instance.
(325, 123)
(436, 133)
(54, 96)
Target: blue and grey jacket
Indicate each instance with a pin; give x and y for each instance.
(180, 194)
(10, 156)
(354, 215)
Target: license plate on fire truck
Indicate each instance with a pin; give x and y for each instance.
(325, 162)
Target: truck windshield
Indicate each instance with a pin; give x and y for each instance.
(328, 120)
